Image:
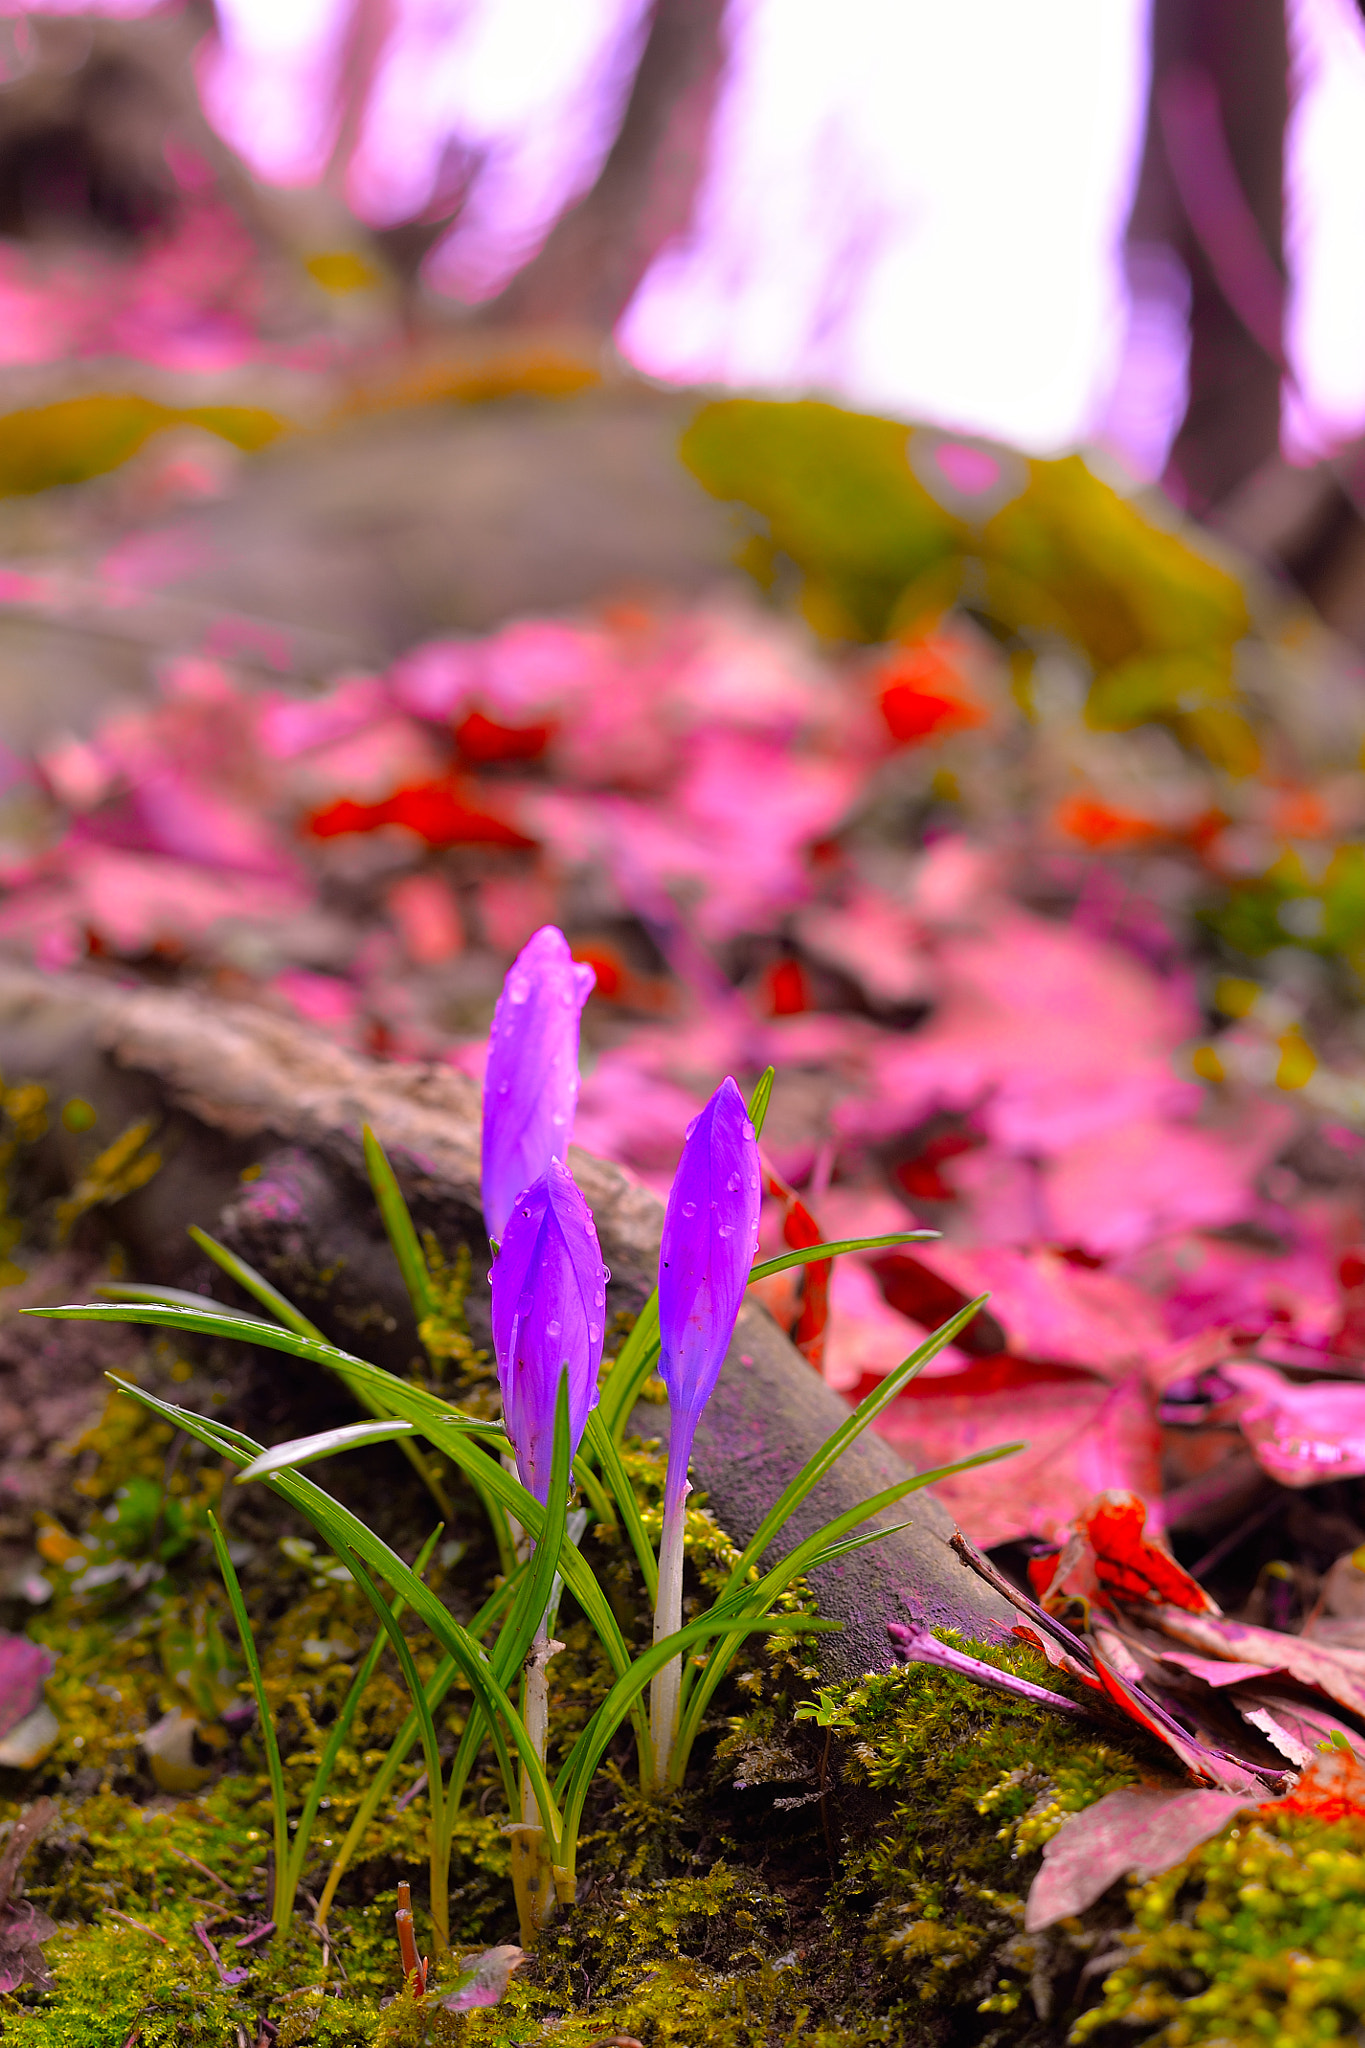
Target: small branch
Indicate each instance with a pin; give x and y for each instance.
(915, 1645)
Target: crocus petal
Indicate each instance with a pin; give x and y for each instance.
(531, 1086)
(549, 1312)
(710, 1235)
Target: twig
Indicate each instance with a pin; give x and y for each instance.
(112, 1913)
(915, 1645)
(418, 1784)
(203, 1870)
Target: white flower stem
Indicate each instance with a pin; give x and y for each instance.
(532, 1863)
(663, 1693)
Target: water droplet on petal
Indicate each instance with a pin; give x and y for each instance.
(504, 1087)
(594, 1332)
(553, 1328)
(725, 1230)
(689, 1208)
(732, 1185)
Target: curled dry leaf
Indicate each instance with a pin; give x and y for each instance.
(485, 1977)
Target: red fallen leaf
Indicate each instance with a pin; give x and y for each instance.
(1128, 1564)
(920, 1176)
(1331, 1788)
(437, 812)
(1136, 1832)
(1098, 824)
(923, 695)
(1060, 1659)
(928, 1299)
(24, 1668)
(1081, 1436)
(786, 990)
(481, 739)
(799, 1231)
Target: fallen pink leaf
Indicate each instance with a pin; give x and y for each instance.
(1135, 1832)
(485, 1977)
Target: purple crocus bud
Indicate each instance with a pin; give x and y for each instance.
(710, 1236)
(530, 1090)
(549, 1311)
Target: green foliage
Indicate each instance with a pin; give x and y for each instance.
(1258, 1936)
(23, 1120)
(979, 1781)
(843, 496)
(77, 438)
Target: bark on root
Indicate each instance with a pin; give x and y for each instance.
(233, 1086)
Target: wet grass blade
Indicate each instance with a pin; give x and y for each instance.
(282, 1907)
(399, 1225)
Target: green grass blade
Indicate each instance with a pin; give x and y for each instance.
(169, 1297)
(587, 1752)
(283, 1905)
(389, 1622)
(352, 1371)
(342, 1530)
(329, 1443)
(863, 1416)
(822, 1547)
(255, 1284)
(596, 1495)
(534, 1598)
(632, 1366)
(759, 1100)
(399, 1225)
(341, 1727)
(603, 1447)
(813, 1254)
(437, 1687)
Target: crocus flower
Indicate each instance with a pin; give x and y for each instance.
(549, 1311)
(710, 1235)
(531, 1085)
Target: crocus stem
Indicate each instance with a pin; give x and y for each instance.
(663, 1693)
(533, 1879)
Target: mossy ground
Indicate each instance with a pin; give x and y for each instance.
(847, 1866)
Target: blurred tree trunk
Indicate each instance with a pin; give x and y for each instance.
(1211, 188)
(598, 251)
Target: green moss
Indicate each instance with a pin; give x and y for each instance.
(1258, 1936)
(976, 1782)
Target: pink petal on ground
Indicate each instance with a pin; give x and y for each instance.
(1051, 1309)
(1301, 1435)
(426, 911)
(1204, 1281)
(1112, 1192)
(865, 1336)
(1057, 1035)
(24, 1667)
(1335, 1670)
(1138, 1831)
(1213, 1670)
(288, 726)
(873, 940)
(135, 901)
(1081, 1436)
(491, 1972)
(322, 998)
